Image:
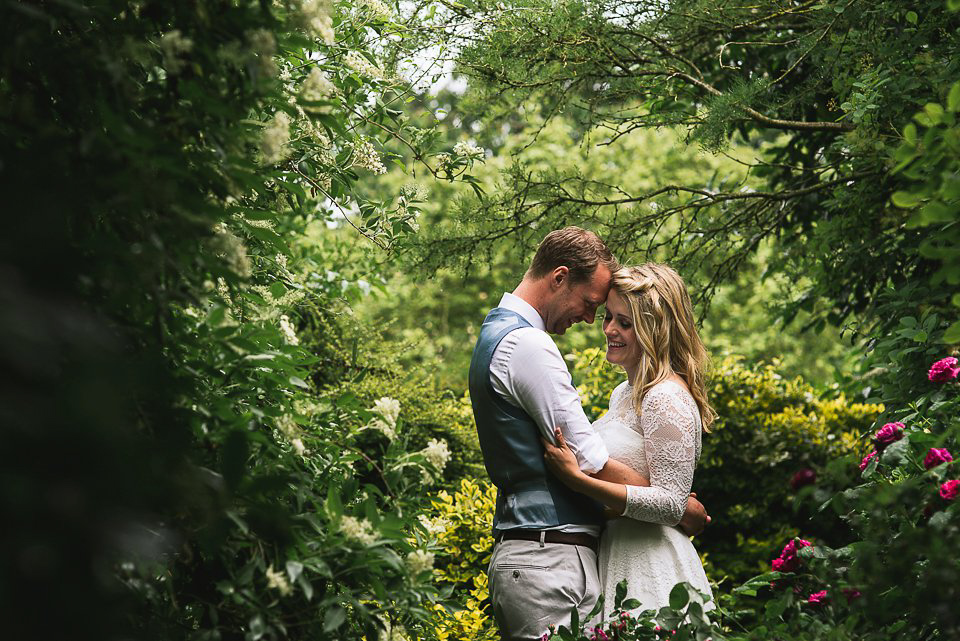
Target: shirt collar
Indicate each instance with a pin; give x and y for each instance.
(522, 307)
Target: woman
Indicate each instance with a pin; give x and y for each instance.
(654, 424)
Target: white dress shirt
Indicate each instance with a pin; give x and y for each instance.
(528, 371)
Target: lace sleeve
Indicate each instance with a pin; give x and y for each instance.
(670, 432)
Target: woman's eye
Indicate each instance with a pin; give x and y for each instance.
(625, 325)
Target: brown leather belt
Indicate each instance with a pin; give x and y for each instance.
(551, 536)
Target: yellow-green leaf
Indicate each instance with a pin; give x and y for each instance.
(953, 98)
(906, 199)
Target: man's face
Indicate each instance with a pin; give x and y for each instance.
(574, 303)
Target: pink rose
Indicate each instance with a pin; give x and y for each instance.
(788, 561)
(944, 370)
(817, 598)
(866, 460)
(790, 549)
(936, 456)
(803, 477)
(888, 434)
(950, 490)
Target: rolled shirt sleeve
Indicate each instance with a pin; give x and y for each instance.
(529, 372)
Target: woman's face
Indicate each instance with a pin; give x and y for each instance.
(623, 349)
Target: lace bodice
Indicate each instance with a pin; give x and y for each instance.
(662, 443)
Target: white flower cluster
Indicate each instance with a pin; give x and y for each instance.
(434, 527)
(366, 157)
(317, 19)
(288, 331)
(468, 150)
(174, 44)
(231, 249)
(436, 453)
(359, 63)
(414, 192)
(276, 136)
(287, 426)
(277, 581)
(263, 46)
(419, 561)
(316, 88)
(444, 162)
(377, 9)
(388, 410)
(359, 530)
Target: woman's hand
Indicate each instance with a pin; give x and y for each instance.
(560, 459)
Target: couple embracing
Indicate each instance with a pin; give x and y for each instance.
(557, 475)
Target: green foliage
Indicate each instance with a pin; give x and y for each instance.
(768, 429)
(929, 158)
(176, 353)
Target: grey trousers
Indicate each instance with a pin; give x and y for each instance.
(532, 587)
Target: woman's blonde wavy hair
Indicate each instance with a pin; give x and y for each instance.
(663, 323)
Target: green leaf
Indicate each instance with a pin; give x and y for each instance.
(934, 112)
(294, 569)
(277, 290)
(334, 618)
(953, 98)
(906, 199)
(952, 335)
(621, 593)
(574, 619)
(896, 453)
(912, 17)
(910, 133)
(679, 597)
(299, 382)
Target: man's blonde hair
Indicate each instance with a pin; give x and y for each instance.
(579, 250)
(663, 323)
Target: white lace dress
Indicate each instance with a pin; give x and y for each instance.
(644, 546)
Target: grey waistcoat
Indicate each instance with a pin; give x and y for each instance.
(528, 496)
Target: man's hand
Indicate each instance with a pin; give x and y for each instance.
(695, 517)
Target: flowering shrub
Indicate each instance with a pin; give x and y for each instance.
(188, 374)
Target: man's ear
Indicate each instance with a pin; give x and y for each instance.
(559, 276)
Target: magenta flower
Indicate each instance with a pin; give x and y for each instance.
(788, 560)
(950, 490)
(851, 594)
(601, 635)
(817, 598)
(866, 460)
(936, 456)
(805, 476)
(944, 370)
(888, 434)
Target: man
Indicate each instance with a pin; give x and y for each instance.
(544, 561)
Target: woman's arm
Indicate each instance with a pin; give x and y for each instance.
(563, 464)
(670, 445)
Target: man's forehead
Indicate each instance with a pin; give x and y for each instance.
(598, 285)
